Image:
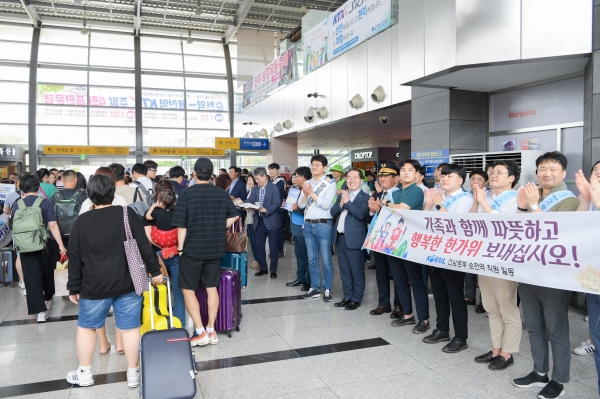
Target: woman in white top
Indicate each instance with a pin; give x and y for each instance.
(249, 222)
(118, 200)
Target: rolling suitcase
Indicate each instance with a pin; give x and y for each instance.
(230, 302)
(158, 306)
(237, 261)
(8, 267)
(167, 363)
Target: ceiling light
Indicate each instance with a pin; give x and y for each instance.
(263, 133)
(247, 135)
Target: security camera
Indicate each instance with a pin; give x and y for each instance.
(310, 115)
(383, 120)
(315, 95)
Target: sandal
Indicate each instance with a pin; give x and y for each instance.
(121, 352)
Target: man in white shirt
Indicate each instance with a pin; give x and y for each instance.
(139, 172)
(448, 285)
(437, 175)
(152, 169)
(316, 200)
(499, 296)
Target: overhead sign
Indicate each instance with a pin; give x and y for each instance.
(431, 159)
(88, 150)
(184, 151)
(278, 73)
(363, 155)
(253, 144)
(348, 26)
(227, 143)
(11, 152)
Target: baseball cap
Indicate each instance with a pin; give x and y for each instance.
(203, 165)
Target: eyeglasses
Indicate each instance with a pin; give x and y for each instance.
(152, 170)
(496, 172)
(477, 179)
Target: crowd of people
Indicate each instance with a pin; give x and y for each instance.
(181, 224)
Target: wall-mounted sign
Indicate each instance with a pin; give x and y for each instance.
(278, 73)
(348, 26)
(87, 150)
(431, 159)
(253, 144)
(11, 152)
(227, 143)
(364, 155)
(185, 151)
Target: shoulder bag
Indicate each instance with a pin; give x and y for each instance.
(137, 269)
(236, 239)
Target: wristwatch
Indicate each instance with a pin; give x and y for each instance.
(534, 207)
(438, 207)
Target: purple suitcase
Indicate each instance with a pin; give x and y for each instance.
(230, 302)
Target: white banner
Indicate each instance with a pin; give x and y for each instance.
(351, 24)
(278, 73)
(545, 249)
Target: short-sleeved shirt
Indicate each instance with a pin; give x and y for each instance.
(69, 193)
(411, 196)
(46, 206)
(567, 205)
(203, 209)
(163, 219)
(48, 189)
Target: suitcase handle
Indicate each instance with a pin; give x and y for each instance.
(151, 300)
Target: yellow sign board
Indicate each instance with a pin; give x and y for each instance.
(178, 151)
(227, 143)
(88, 150)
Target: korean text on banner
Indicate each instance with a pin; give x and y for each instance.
(545, 249)
(348, 26)
(278, 73)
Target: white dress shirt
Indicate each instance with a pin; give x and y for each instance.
(344, 213)
(146, 181)
(319, 209)
(463, 205)
(509, 207)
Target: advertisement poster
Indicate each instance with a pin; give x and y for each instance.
(544, 249)
(530, 144)
(431, 159)
(115, 97)
(508, 145)
(278, 73)
(351, 24)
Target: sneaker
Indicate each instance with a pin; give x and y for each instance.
(49, 304)
(21, 285)
(586, 319)
(133, 379)
(42, 316)
(199, 340)
(552, 390)
(533, 379)
(586, 348)
(430, 293)
(212, 338)
(327, 296)
(78, 377)
(312, 293)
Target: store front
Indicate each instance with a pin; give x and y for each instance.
(11, 160)
(369, 158)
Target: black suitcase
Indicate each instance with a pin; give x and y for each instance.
(168, 366)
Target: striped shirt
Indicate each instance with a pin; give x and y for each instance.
(204, 209)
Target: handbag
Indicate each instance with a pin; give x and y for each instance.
(236, 239)
(137, 269)
(61, 277)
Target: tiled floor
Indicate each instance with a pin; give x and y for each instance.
(265, 360)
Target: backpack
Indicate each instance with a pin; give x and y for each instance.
(148, 194)
(29, 231)
(66, 210)
(139, 206)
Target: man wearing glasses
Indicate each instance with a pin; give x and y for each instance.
(152, 168)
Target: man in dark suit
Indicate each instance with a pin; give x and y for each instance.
(237, 189)
(267, 222)
(352, 211)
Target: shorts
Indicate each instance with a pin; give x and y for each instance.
(193, 272)
(127, 309)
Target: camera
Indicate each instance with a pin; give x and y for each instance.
(310, 115)
(383, 120)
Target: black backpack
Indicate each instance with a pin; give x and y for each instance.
(66, 210)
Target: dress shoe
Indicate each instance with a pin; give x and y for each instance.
(397, 313)
(294, 283)
(403, 321)
(261, 273)
(421, 327)
(436, 336)
(352, 305)
(500, 363)
(480, 308)
(456, 345)
(371, 267)
(342, 303)
(487, 358)
(273, 275)
(380, 310)
(305, 287)
(470, 302)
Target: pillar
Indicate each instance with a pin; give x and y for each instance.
(591, 94)
(284, 152)
(456, 120)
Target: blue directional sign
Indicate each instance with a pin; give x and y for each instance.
(431, 159)
(253, 144)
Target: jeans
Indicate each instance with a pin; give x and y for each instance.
(593, 307)
(318, 244)
(127, 309)
(301, 254)
(178, 303)
(252, 237)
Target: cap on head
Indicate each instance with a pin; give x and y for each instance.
(388, 168)
(337, 168)
(203, 165)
